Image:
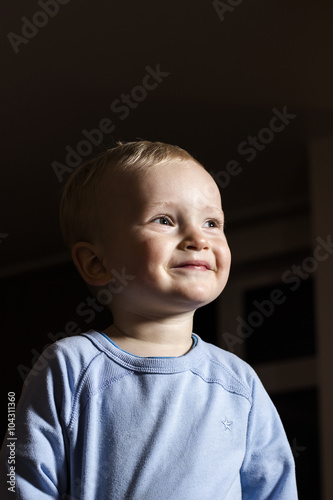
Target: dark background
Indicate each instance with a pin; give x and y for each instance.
(224, 79)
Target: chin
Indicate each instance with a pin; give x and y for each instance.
(199, 299)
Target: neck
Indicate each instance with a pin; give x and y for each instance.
(144, 336)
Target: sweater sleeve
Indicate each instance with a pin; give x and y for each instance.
(268, 470)
(40, 468)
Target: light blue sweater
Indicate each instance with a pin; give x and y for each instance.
(97, 423)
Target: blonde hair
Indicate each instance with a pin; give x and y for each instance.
(79, 214)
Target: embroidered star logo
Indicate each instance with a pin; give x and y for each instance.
(226, 424)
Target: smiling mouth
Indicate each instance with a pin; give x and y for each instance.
(194, 266)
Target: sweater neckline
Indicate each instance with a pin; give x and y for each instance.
(149, 364)
(194, 343)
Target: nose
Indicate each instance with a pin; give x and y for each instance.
(194, 239)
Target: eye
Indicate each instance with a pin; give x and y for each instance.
(211, 223)
(162, 220)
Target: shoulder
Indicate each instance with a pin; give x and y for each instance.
(67, 372)
(230, 362)
(68, 360)
(77, 349)
(229, 370)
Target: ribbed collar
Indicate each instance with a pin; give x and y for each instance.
(150, 365)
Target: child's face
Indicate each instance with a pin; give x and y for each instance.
(165, 228)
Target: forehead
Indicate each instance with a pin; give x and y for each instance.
(177, 180)
(169, 183)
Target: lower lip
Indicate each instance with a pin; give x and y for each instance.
(193, 268)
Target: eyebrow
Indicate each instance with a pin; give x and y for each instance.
(172, 204)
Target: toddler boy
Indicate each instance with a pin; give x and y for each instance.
(146, 410)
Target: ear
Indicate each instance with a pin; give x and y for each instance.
(90, 264)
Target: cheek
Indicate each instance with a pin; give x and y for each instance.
(149, 253)
(224, 258)
(156, 252)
